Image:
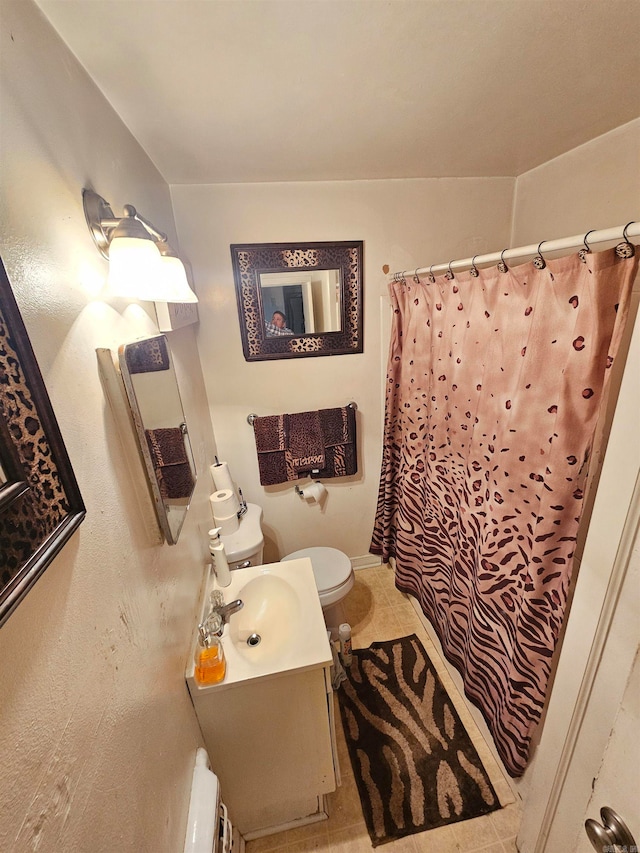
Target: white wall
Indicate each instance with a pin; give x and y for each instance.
(406, 223)
(596, 185)
(97, 733)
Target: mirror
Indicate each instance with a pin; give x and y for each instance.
(13, 482)
(154, 398)
(297, 300)
(307, 301)
(10, 488)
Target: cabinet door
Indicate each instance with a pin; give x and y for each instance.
(270, 746)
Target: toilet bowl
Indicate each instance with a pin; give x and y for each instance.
(334, 579)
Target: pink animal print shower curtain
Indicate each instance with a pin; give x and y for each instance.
(494, 388)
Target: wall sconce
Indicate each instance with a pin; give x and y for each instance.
(142, 265)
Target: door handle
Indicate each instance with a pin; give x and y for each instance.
(612, 835)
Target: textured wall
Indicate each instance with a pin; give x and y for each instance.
(97, 733)
(405, 224)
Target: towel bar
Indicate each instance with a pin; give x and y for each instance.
(251, 417)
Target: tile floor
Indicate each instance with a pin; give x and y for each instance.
(377, 611)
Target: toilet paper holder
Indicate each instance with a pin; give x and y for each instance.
(315, 492)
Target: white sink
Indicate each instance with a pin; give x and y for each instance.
(269, 621)
(279, 629)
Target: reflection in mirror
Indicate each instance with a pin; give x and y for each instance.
(297, 300)
(152, 388)
(308, 301)
(13, 472)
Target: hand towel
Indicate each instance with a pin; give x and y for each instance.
(289, 447)
(169, 457)
(305, 443)
(269, 433)
(339, 431)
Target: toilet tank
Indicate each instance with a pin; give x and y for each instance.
(246, 545)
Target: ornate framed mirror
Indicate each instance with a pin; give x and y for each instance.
(40, 503)
(297, 300)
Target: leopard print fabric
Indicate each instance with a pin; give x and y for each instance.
(27, 522)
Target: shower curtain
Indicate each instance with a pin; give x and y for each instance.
(494, 389)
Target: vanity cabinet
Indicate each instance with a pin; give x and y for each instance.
(272, 745)
(269, 727)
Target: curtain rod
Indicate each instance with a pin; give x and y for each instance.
(607, 235)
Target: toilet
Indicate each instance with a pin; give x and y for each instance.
(334, 579)
(331, 568)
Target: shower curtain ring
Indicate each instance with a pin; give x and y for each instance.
(502, 266)
(474, 271)
(625, 249)
(416, 277)
(449, 275)
(582, 254)
(539, 262)
(432, 277)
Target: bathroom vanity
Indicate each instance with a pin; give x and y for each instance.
(269, 726)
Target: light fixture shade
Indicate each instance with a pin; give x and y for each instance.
(142, 265)
(135, 266)
(175, 287)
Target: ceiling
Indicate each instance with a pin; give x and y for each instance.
(307, 90)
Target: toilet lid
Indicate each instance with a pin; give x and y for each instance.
(331, 567)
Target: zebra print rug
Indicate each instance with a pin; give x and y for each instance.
(415, 766)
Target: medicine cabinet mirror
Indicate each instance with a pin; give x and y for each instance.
(154, 398)
(297, 300)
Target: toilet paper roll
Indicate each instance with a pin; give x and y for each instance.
(314, 492)
(224, 503)
(224, 507)
(227, 525)
(221, 477)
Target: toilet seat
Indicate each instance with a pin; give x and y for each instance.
(332, 571)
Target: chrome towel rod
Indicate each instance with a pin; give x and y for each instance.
(251, 418)
(579, 241)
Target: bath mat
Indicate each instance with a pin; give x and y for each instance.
(414, 763)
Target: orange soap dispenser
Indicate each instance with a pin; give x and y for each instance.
(209, 658)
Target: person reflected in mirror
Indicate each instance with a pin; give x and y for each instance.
(278, 325)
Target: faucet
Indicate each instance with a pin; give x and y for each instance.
(224, 611)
